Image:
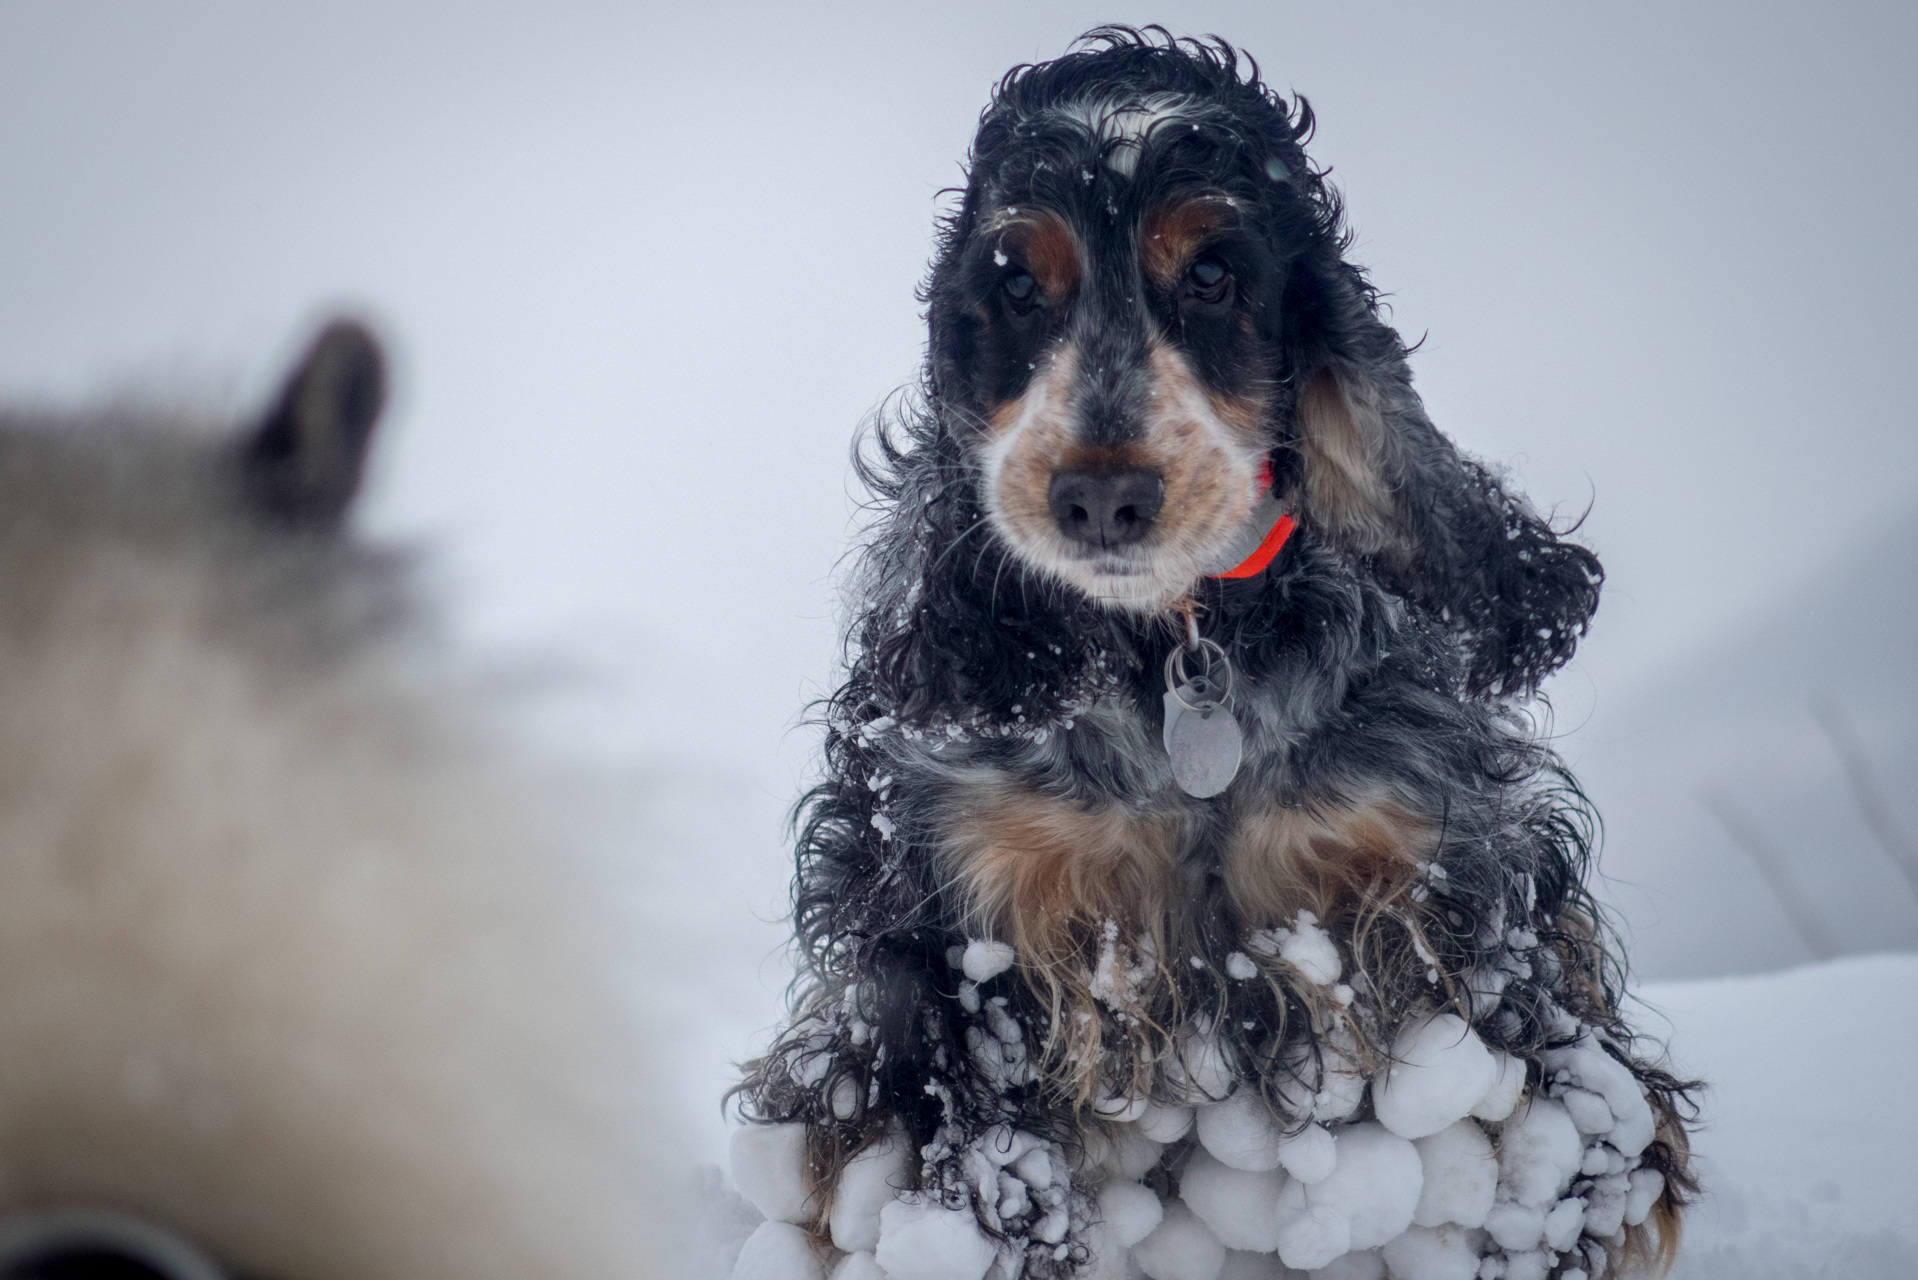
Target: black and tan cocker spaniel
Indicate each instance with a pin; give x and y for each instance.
(1189, 892)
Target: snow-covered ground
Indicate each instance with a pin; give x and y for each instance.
(1810, 1122)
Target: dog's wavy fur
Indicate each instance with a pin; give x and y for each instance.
(294, 960)
(993, 765)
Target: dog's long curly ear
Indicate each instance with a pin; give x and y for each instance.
(303, 464)
(1376, 477)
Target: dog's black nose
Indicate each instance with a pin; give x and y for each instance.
(1106, 509)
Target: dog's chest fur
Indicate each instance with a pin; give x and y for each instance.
(1069, 841)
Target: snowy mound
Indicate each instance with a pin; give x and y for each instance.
(1807, 1137)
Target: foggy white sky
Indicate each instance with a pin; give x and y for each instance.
(645, 267)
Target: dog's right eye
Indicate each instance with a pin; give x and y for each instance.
(1208, 282)
(1021, 290)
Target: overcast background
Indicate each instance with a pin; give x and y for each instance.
(644, 269)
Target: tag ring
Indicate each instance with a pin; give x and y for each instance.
(1175, 673)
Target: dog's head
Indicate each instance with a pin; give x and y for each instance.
(1140, 313)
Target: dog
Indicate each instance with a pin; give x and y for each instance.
(1182, 766)
(302, 976)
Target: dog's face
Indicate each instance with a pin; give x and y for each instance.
(1141, 304)
(1110, 316)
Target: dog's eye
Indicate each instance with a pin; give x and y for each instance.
(1021, 290)
(1208, 281)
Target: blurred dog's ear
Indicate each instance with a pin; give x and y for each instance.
(303, 464)
(1376, 478)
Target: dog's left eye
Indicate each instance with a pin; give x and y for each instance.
(1021, 289)
(1208, 281)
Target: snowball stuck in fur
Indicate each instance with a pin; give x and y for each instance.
(1342, 1085)
(1440, 1070)
(1563, 1224)
(985, 959)
(1130, 1211)
(1632, 1128)
(1313, 1236)
(1200, 1072)
(1305, 946)
(769, 1168)
(867, 1185)
(1165, 1124)
(1516, 1227)
(1508, 1083)
(1588, 1110)
(777, 1251)
(1461, 1176)
(1647, 1186)
(1533, 1264)
(1308, 1155)
(1121, 1153)
(1035, 1168)
(1539, 1152)
(1432, 1253)
(922, 1240)
(1311, 951)
(1605, 1205)
(1180, 1248)
(1241, 1132)
(1328, 1087)
(1004, 1145)
(1240, 1207)
(1375, 1184)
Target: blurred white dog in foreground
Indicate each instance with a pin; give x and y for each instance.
(301, 977)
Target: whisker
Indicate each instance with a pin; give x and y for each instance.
(957, 542)
(992, 603)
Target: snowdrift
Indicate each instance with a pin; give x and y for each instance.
(1810, 1121)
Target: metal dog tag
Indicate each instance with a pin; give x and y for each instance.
(1205, 748)
(1197, 692)
(1202, 739)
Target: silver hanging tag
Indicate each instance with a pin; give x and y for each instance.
(1198, 692)
(1202, 738)
(1205, 749)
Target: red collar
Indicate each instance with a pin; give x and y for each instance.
(1269, 524)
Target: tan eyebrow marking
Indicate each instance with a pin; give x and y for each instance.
(1045, 243)
(1173, 233)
